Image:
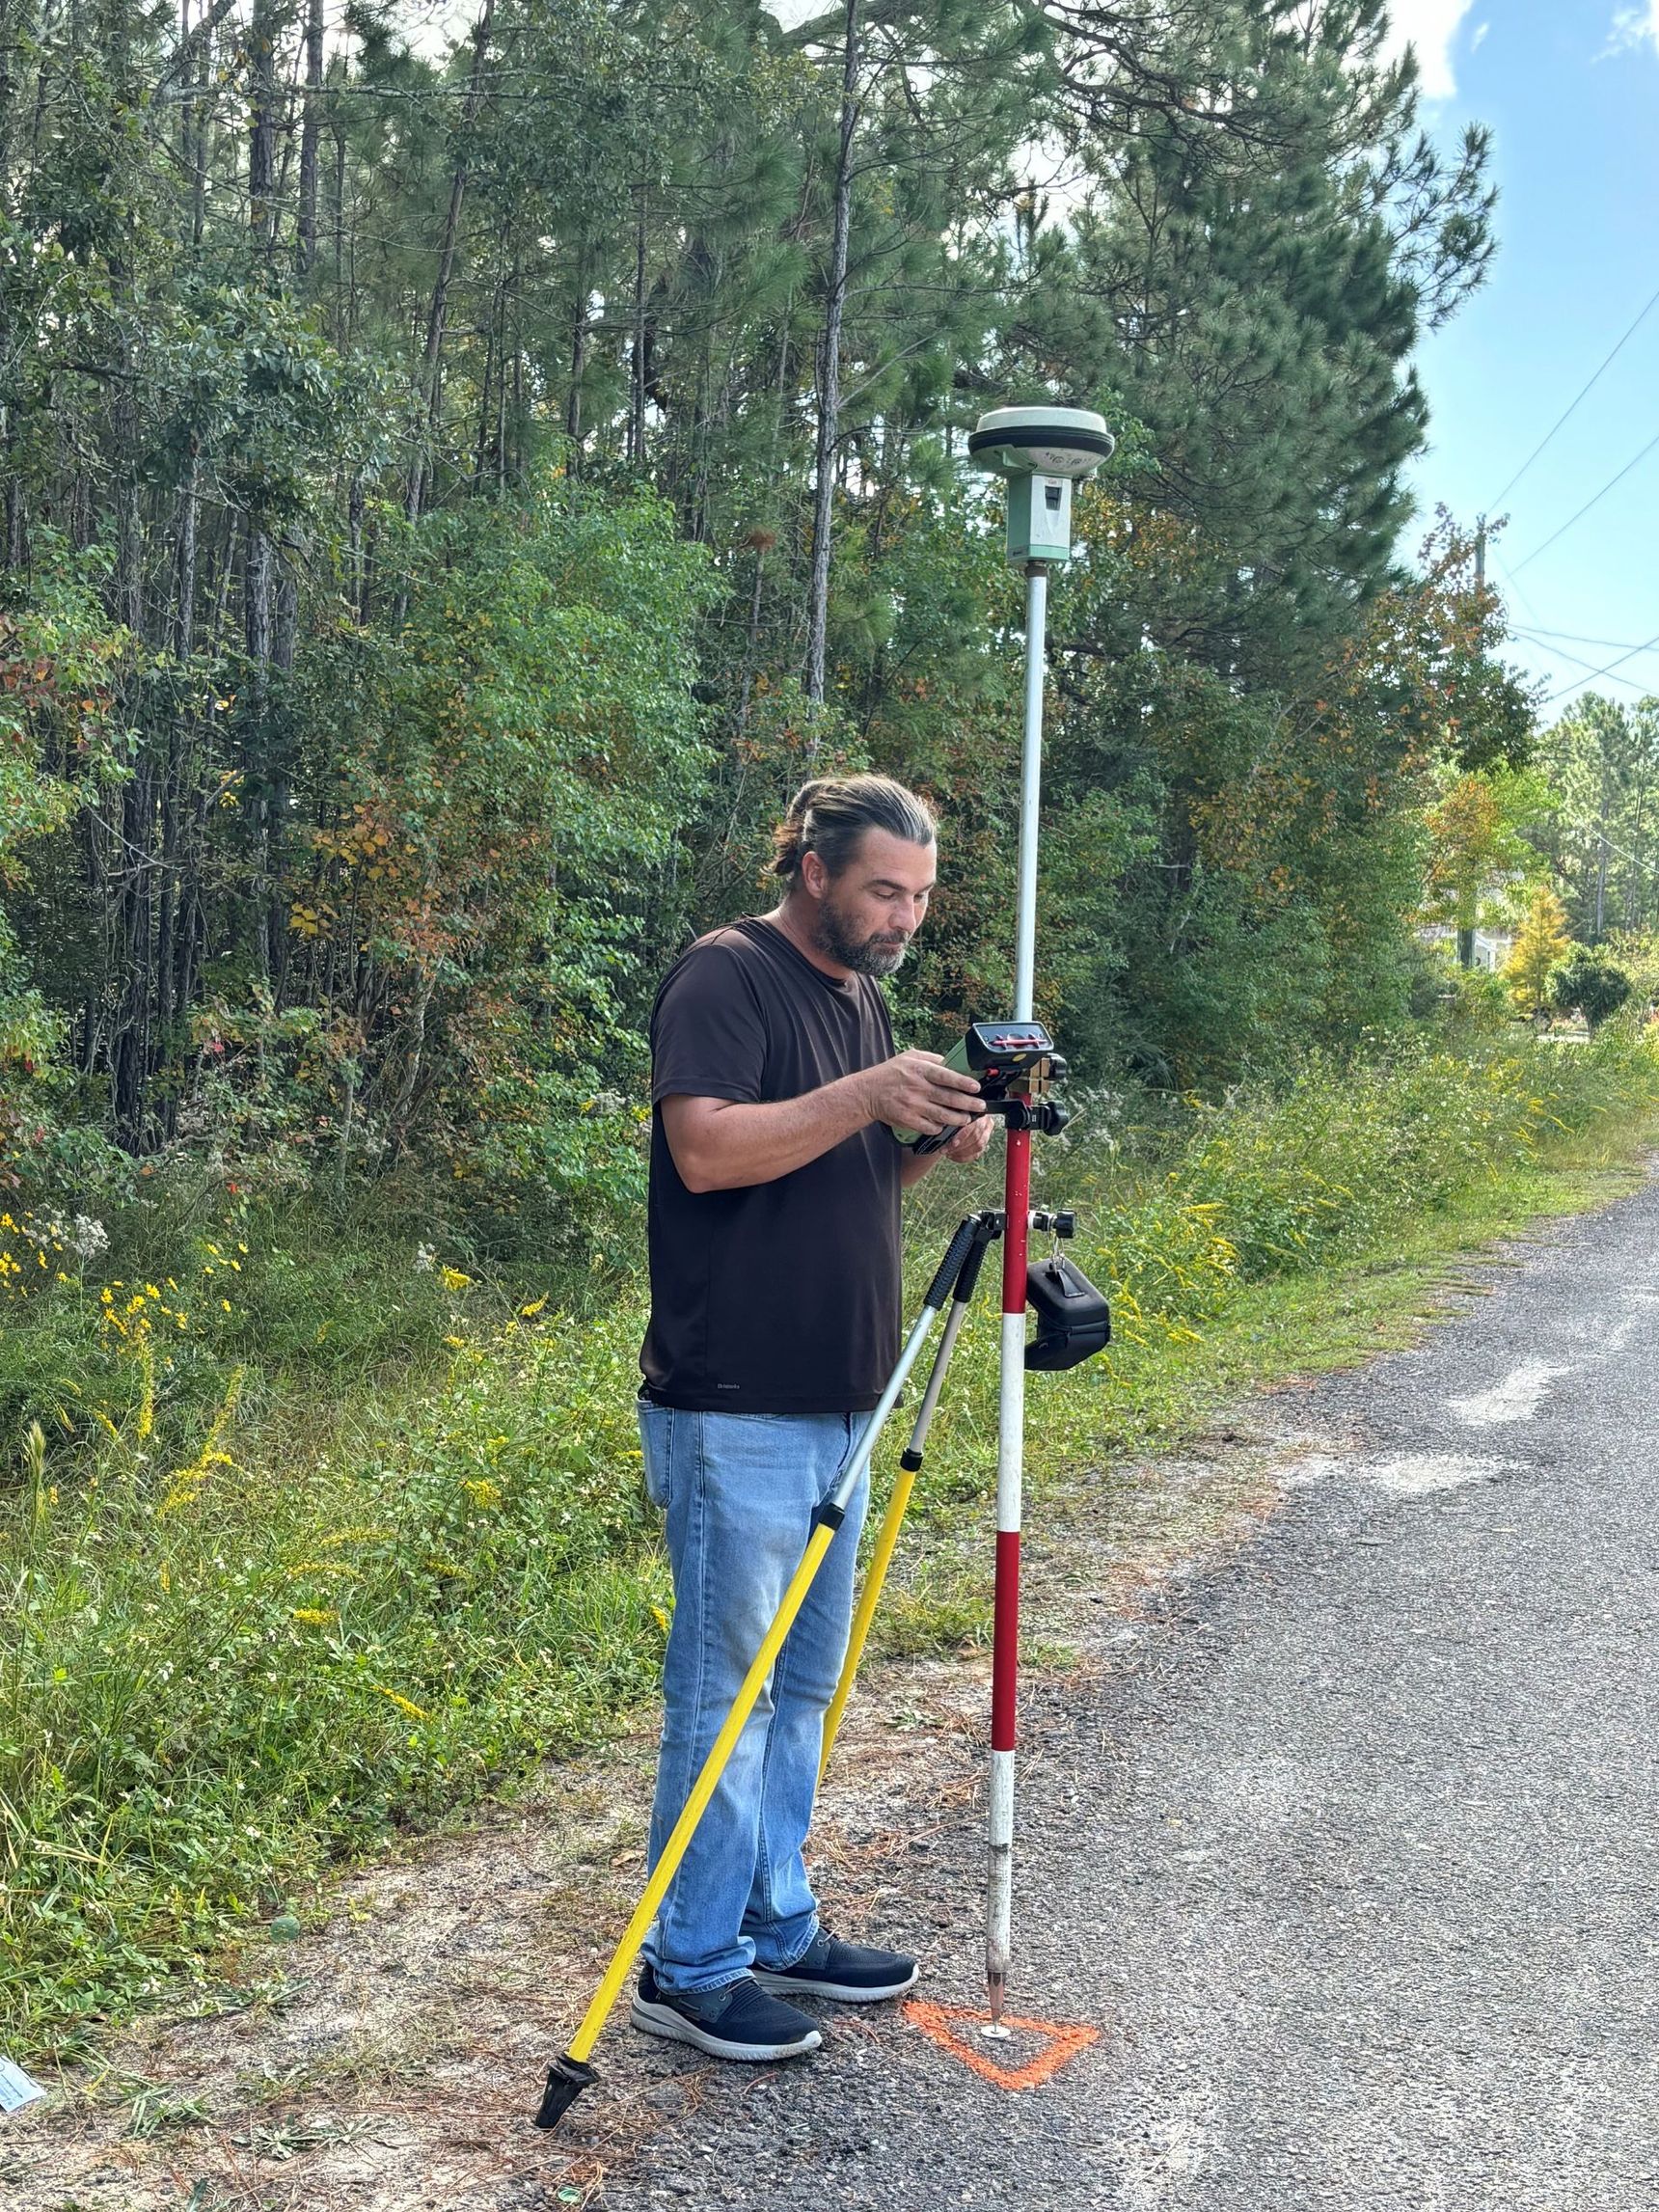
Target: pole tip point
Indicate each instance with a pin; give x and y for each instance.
(993, 2031)
(566, 2079)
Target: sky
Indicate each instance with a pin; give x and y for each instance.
(1570, 91)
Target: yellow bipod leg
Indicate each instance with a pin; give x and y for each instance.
(702, 1790)
(869, 1598)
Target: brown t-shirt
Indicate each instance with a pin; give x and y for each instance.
(783, 1297)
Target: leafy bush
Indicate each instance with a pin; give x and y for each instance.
(1588, 984)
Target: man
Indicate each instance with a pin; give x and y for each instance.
(775, 1180)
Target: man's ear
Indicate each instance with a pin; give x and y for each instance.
(814, 875)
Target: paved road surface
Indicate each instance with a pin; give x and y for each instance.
(1353, 1861)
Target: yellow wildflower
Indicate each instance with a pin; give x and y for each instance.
(403, 1705)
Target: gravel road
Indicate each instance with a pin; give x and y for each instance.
(1350, 1852)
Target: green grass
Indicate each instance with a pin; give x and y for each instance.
(282, 1578)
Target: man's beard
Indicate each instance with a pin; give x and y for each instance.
(874, 955)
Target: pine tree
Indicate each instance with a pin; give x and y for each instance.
(1541, 943)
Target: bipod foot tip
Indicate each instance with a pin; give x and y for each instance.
(566, 2079)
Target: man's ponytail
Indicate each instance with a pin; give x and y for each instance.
(789, 838)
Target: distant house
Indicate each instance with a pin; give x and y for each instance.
(1492, 946)
(1493, 949)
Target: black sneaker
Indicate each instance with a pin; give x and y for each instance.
(735, 2022)
(851, 1972)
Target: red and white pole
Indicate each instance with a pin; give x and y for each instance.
(1011, 1419)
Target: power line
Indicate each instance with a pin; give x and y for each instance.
(1516, 588)
(1606, 671)
(1555, 653)
(1556, 426)
(1572, 637)
(1588, 504)
(1590, 829)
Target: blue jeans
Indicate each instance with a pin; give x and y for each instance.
(739, 1492)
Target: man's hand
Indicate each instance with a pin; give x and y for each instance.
(969, 1144)
(916, 1090)
(966, 1147)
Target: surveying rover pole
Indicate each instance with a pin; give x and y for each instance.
(1041, 451)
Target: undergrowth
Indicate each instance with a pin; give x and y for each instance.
(309, 1530)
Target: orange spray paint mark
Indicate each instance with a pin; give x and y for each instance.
(1063, 2040)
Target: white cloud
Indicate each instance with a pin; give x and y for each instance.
(1633, 27)
(1432, 26)
(1480, 38)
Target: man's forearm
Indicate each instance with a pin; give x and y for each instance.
(739, 1145)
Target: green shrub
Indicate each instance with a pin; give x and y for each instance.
(1330, 1164)
(1587, 984)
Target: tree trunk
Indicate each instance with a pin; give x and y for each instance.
(764, 541)
(501, 388)
(310, 133)
(196, 141)
(7, 37)
(432, 377)
(578, 362)
(17, 549)
(340, 320)
(829, 372)
(135, 810)
(636, 362)
(284, 634)
(495, 372)
(257, 583)
(262, 130)
(184, 605)
(354, 529)
(257, 603)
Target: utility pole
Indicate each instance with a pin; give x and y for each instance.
(1466, 937)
